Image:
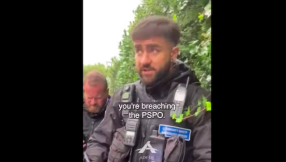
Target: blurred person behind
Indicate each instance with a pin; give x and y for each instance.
(96, 98)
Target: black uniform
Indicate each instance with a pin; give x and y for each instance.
(90, 120)
(198, 149)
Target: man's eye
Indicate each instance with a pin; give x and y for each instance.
(100, 96)
(138, 51)
(154, 51)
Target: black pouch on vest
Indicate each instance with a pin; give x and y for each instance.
(175, 149)
(118, 151)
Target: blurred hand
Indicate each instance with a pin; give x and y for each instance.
(83, 144)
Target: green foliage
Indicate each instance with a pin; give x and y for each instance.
(194, 19)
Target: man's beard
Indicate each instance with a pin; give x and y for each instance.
(159, 75)
(93, 109)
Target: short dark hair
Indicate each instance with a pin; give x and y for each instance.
(94, 77)
(157, 26)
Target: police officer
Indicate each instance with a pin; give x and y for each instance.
(183, 136)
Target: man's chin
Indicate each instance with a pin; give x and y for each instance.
(147, 81)
(93, 109)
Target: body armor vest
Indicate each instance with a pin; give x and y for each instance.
(147, 126)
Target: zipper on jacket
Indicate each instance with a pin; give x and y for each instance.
(91, 127)
(149, 119)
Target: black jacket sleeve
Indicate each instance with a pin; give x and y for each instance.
(201, 127)
(100, 141)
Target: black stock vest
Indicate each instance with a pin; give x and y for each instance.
(148, 125)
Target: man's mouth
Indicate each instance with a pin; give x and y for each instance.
(93, 107)
(147, 71)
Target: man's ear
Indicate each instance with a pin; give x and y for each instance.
(175, 53)
(83, 91)
(107, 91)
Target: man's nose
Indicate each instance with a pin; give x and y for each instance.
(145, 59)
(92, 101)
